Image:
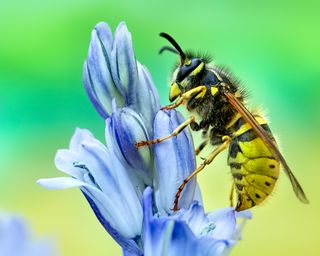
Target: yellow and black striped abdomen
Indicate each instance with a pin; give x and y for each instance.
(254, 169)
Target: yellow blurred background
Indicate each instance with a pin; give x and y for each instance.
(272, 47)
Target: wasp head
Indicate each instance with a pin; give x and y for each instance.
(189, 68)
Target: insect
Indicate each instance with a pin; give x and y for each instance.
(211, 94)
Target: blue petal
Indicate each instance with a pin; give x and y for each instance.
(163, 236)
(105, 35)
(61, 183)
(62, 160)
(247, 214)
(175, 160)
(13, 236)
(206, 246)
(225, 223)
(128, 244)
(171, 236)
(16, 239)
(147, 205)
(148, 103)
(197, 195)
(123, 64)
(195, 217)
(111, 177)
(137, 177)
(105, 179)
(128, 128)
(79, 136)
(96, 72)
(126, 253)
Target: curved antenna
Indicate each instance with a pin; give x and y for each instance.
(174, 44)
(169, 49)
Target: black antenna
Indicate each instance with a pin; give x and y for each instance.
(170, 49)
(175, 44)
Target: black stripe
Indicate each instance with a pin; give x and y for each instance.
(237, 176)
(251, 135)
(235, 165)
(238, 124)
(234, 148)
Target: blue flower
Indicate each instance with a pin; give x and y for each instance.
(17, 239)
(111, 72)
(114, 176)
(190, 231)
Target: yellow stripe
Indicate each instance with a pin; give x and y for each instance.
(233, 120)
(197, 69)
(246, 127)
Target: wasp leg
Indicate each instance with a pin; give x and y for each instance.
(231, 195)
(201, 147)
(204, 134)
(174, 133)
(173, 105)
(197, 92)
(226, 141)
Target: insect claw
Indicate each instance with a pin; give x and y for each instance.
(175, 208)
(166, 108)
(140, 144)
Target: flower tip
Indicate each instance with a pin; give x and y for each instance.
(102, 26)
(104, 33)
(147, 194)
(45, 183)
(123, 26)
(147, 203)
(246, 214)
(39, 182)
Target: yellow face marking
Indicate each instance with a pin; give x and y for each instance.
(184, 83)
(214, 90)
(197, 69)
(174, 91)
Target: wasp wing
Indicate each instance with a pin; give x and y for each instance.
(248, 117)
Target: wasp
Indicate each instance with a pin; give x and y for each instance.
(216, 98)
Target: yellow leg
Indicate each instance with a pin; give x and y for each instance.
(200, 91)
(226, 141)
(174, 133)
(231, 195)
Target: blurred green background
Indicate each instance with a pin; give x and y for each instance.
(272, 47)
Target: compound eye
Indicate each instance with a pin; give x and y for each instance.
(187, 68)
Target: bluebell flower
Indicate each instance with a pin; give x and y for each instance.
(190, 231)
(113, 177)
(17, 239)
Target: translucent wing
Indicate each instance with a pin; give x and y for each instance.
(248, 117)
